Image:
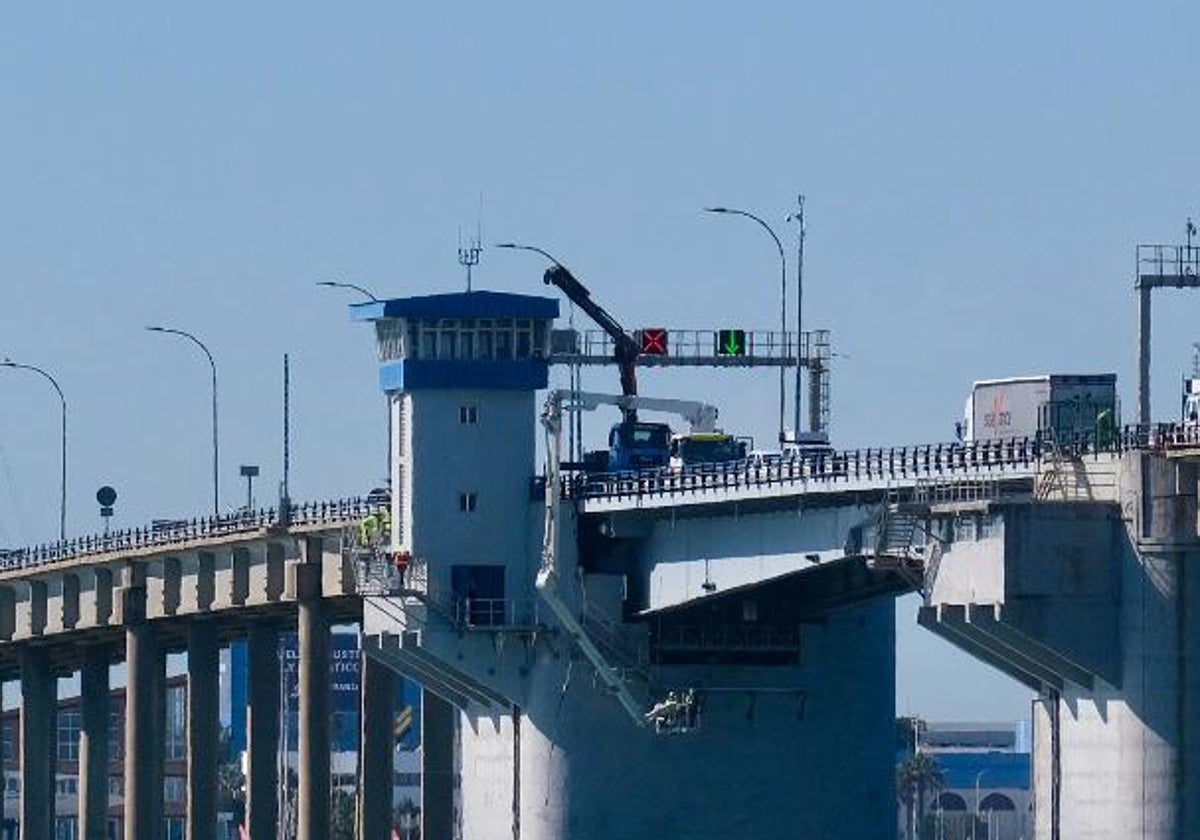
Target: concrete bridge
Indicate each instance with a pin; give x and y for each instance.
(137, 595)
(1013, 546)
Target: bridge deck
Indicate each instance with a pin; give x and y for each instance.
(925, 466)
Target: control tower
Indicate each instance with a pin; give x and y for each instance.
(636, 701)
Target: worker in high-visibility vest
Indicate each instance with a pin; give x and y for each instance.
(385, 525)
(369, 530)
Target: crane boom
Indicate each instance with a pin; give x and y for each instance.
(625, 347)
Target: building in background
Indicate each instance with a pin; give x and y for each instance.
(984, 791)
(66, 822)
(345, 726)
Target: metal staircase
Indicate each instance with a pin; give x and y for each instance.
(897, 527)
(1053, 479)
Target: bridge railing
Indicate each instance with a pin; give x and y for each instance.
(995, 457)
(831, 467)
(174, 532)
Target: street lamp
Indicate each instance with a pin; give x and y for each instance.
(975, 822)
(387, 408)
(334, 284)
(516, 246)
(62, 497)
(798, 218)
(782, 297)
(213, 366)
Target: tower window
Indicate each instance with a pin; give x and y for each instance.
(466, 502)
(468, 414)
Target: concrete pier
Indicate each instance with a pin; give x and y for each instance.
(375, 787)
(262, 780)
(1087, 597)
(94, 748)
(146, 673)
(437, 773)
(313, 795)
(38, 743)
(203, 729)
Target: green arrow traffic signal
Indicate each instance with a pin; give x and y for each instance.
(731, 342)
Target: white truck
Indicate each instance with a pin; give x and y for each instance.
(1069, 405)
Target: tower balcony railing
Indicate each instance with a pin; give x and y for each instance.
(1168, 260)
(498, 614)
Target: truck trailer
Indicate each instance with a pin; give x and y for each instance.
(1068, 405)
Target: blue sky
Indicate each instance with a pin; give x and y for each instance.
(977, 178)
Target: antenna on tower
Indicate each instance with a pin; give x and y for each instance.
(468, 257)
(1196, 359)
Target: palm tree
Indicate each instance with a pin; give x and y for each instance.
(914, 778)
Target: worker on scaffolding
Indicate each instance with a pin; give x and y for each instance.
(375, 529)
(401, 561)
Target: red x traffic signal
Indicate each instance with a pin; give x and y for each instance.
(653, 341)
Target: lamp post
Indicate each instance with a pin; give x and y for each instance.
(215, 450)
(798, 218)
(975, 822)
(62, 495)
(387, 406)
(334, 284)
(782, 298)
(575, 433)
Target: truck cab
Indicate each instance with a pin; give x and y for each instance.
(705, 448)
(638, 445)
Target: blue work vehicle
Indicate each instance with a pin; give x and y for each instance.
(638, 445)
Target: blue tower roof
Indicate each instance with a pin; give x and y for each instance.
(475, 340)
(458, 305)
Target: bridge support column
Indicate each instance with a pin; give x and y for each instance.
(375, 745)
(93, 744)
(313, 795)
(39, 715)
(145, 720)
(203, 729)
(262, 782)
(437, 772)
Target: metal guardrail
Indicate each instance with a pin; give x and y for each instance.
(178, 532)
(1007, 455)
(497, 613)
(1168, 260)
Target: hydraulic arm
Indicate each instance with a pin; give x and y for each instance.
(625, 347)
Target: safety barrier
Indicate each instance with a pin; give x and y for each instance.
(1004, 455)
(178, 532)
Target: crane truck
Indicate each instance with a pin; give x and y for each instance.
(550, 576)
(634, 444)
